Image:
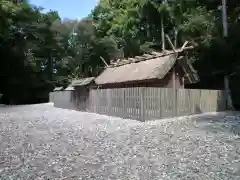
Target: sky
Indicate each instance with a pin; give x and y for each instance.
(71, 9)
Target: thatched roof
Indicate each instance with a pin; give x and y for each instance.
(58, 89)
(82, 82)
(149, 66)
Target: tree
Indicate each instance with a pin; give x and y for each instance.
(49, 51)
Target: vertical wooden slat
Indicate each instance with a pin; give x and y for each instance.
(104, 105)
(123, 102)
(139, 103)
(119, 93)
(163, 105)
(147, 102)
(133, 102)
(110, 108)
(159, 103)
(116, 101)
(126, 102)
(99, 101)
(116, 104)
(130, 101)
(152, 105)
(113, 102)
(142, 104)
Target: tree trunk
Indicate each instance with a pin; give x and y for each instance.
(175, 37)
(228, 93)
(50, 66)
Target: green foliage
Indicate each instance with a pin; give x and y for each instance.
(40, 51)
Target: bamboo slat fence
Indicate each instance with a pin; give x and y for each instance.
(145, 103)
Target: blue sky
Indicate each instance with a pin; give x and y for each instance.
(72, 9)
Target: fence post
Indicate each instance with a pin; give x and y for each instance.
(109, 103)
(175, 104)
(124, 111)
(142, 104)
(174, 93)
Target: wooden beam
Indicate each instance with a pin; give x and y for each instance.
(156, 53)
(139, 57)
(187, 48)
(180, 57)
(184, 45)
(147, 56)
(170, 42)
(131, 59)
(103, 60)
(162, 34)
(124, 61)
(174, 91)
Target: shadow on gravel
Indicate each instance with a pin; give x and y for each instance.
(224, 122)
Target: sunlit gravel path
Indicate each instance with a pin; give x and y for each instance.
(43, 142)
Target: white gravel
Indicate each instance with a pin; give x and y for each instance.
(43, 142)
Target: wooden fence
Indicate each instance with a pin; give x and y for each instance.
(69, 100)
(146, 103)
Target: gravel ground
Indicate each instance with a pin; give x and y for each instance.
(43, 142)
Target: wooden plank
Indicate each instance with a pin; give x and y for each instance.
(134, 93)
(110, 109)
(174, 89)
(146, 100)
(159, 103)
(117, 105)
(127, 102)
(123, 102)
(163, 105)
(147, 103)
(131, 102)
(103, 103)
(139, 104)
(142, 104)
(100, 101)
(152, 102)
(113, 104)
(149, 108)
(121, 99)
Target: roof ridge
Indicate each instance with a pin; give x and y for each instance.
(144, 57)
